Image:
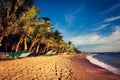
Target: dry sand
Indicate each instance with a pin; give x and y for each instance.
(60, 67)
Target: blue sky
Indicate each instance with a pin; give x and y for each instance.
(92, 25)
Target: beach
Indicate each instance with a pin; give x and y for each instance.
(58, 67)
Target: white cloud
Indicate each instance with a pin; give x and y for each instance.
(111, 9)
(86, 39)
(102, 26)
(98, 43)
(103, 48)
(105, 23)
(69, 19)
(113, 38)
(112, 19)
(71, 16)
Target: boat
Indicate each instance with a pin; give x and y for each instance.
(14, 55)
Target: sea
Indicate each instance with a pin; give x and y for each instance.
(107, 60)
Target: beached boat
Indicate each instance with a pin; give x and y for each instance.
(19, 54)
(25, 54)
(14, 55)
(50, 53)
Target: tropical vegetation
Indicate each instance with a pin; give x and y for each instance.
(21, 29)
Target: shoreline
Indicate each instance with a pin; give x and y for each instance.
(58, 67)
(102, 64)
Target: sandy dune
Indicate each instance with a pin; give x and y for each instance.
(60, 67)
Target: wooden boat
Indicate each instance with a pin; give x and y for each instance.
(7, 55)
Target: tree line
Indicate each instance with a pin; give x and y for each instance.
(21, 29)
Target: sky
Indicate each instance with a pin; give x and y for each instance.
(92, 25)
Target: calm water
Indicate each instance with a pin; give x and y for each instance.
(110, 58)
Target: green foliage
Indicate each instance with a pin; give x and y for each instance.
(19, 22)
(76, 50)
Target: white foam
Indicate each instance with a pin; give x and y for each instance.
(102, 64)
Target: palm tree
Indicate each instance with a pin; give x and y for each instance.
(22, 29)
(27, 26)
(59, 42)
(10, 15)
(40, 33)
(35, 36)
(7, 17)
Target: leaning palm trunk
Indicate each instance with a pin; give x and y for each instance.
(13, 47)
(1, 38)
(18, 44)
(37, 49)
(44, 50)
(47, 48)
(25, 44)
(33, 43)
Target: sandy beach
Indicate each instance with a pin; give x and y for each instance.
(59, 67)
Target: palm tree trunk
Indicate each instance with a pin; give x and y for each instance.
(47, 48)
(37, 49)
(25, 44)
(44, 50)
(1, 38)
(13, 48)
(18, 44)
(31, 46)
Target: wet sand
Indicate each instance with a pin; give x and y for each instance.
(59, 67)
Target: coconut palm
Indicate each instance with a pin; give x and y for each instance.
(10, 15)
(27, 26)
(41, 33)
(21, 29)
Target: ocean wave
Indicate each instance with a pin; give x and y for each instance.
(102, 64)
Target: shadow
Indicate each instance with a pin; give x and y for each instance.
(10, 59)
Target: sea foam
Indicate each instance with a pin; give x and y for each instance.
(102, 64)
